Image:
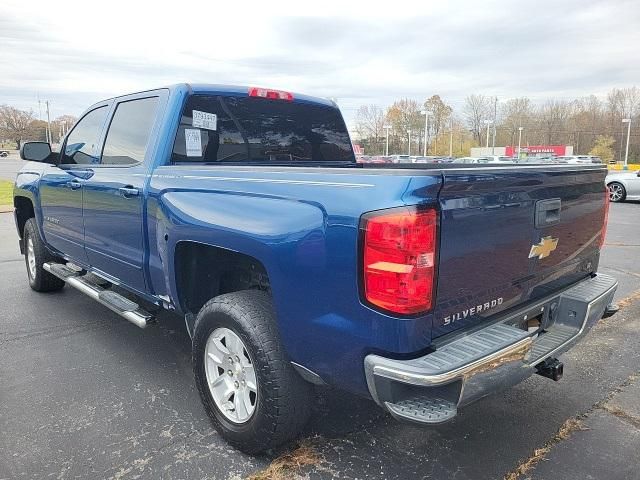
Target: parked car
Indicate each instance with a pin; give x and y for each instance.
(4, 153)
(579, 159)
(500, 159)
(400, 159)
(536, 159)
(471, 160)
(244, 211)
(623, 185)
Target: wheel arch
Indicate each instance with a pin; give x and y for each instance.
(203, 271)
(24, 210)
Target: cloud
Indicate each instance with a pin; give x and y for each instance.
(74, 56)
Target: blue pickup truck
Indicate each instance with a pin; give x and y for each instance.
(243, 210)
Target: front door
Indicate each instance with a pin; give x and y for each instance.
(61, 186)
(113, 194)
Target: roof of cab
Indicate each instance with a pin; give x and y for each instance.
(244, 89)
(230, 90)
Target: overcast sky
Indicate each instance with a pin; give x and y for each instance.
(73, 55)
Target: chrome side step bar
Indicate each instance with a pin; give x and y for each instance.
(115, 302)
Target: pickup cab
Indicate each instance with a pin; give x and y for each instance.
(423, 287)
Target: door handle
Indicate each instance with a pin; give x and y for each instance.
(129, 191)
(74, 185)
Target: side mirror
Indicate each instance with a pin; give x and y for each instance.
(36, 152)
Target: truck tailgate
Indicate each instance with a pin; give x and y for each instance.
(512, 235)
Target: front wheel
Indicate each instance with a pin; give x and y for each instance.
(251, 392)
(617, 192)
(36, 255)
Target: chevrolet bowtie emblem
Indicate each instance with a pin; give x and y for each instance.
(544, 248)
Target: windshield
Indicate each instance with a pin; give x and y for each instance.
(245, 129)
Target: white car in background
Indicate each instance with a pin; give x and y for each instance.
(500, 159)
(469, 160)
(623, 186)
(579, 159)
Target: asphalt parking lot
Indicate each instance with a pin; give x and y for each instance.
(85, 394)
(10, 166)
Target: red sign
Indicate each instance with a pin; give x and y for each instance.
(357, 149)
(532, 150)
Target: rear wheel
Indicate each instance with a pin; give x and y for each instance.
(36, 255)
(617, 192)
(251, 392)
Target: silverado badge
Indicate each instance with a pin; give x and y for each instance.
(544, 248)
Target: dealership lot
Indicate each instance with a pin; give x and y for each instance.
(84, 394)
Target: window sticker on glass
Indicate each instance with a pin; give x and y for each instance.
(193, 143)
(205, 120)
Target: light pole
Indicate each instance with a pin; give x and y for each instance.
(409, 134)
(451, 139)
(488, 122)
(519, 140)
(386, 149)
(495, 121)
(426, 129)
(626, 153)
(49, 137)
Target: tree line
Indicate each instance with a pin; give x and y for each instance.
(17, 126)
(588, 123)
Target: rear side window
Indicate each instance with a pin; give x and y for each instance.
(128, 135)
(82, 142)
(257, 130)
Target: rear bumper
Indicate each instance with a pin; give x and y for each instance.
(429, 389)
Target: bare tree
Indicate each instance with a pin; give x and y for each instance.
(15, 124)
(553, 116)
(370, 121)
(624, 102)
(477, 109)
(516, 112)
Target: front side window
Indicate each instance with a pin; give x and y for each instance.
(82, 142)
(128, 135)
(257, 130)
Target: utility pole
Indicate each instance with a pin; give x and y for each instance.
(495, 118)
(409, 134)
(49, 139)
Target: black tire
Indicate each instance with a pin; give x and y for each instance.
(621, 192)
(283, 397)
(40, 280)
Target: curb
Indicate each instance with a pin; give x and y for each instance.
(6, 209)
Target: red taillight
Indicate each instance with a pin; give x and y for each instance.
(399, 252)
(270, 94)
(603, 232)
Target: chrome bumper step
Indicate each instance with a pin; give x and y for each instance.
(430, 389)
(423, 410)
(115, 302)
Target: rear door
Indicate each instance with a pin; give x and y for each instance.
(510, 235)
(61, 185)
(113, 194)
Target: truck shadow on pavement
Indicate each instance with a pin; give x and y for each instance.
(135, 388)
(355, 438)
